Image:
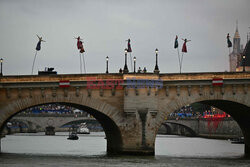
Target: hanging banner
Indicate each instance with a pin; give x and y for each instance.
(64, 83)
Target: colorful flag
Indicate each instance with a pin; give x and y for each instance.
(229, 43)
(129, 46)
(176, 42)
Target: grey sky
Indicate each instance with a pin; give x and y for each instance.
(105, 25)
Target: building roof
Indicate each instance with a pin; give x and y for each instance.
(246, 53)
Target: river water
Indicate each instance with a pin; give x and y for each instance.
(25, 150)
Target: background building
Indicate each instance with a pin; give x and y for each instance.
(245, 59)
(236, 55)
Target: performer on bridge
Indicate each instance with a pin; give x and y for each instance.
(80, 45)
(229, 43)
(81, 52)
(38, 48)
(184, 46)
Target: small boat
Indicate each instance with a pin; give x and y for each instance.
(73, 136)
(72, 133)
(239, 140)
(83, 129)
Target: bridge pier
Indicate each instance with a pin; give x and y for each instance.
(139, 133)
(246, 133)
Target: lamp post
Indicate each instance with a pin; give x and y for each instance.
(107, 65)
(244, 63)
(1, 60)
(156, 62)
(134, 63)
(125, 70)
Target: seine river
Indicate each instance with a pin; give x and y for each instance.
(25, 150)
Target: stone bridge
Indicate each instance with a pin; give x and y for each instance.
(130, 112)
(42, 122)
(209, 127)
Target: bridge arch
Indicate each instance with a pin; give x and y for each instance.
(87, 121)
(31, 125)
(190, 131)
(106, 114)
(238, 108)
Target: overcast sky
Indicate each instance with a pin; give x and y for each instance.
(105, 25)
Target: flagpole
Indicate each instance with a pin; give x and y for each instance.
(84, 63)
(80, 63)
(131, 61)
(229, 50)
(33, 63)
(179, 58)
(181, 61)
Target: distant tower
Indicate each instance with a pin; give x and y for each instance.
(236, 40)
(235, 57)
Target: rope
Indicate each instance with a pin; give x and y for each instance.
(33, 63)
(229, 50)
(179, 59)
(131, 62)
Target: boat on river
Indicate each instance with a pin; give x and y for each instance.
(83, 129)
(73, 133)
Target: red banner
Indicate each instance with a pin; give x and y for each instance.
(64, 83)
(217, 81)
